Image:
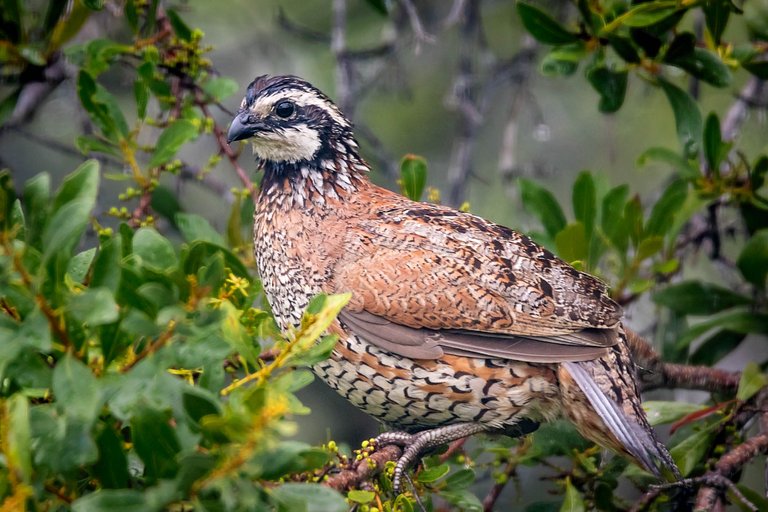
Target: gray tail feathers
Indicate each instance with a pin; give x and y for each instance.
(633, 433)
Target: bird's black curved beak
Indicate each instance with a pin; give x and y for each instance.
(242, 128)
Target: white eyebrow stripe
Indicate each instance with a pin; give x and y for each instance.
(264, 103)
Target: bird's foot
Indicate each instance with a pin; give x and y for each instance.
(416, 444)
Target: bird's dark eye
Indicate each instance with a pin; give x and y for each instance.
(284, 109)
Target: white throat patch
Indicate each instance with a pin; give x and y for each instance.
(299, 142)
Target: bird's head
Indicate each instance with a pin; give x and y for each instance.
(288, 121)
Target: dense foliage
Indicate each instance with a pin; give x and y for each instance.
(140, 368)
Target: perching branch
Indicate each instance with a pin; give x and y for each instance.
(363, 470)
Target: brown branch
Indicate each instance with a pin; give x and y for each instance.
(710, 495)
(737, 114)
(658, 374)
(364, 469)
(493, 494)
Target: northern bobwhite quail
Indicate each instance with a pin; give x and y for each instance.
(456, 325)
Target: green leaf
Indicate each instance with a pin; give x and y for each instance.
(111, 468)
(705, 65)
(689, 452)
(661, 412)
(78, 266)
(194, 227)
(82, 183)
(95, 5)
(752, 381)
(361, 497)
(611, 85)
(612, 217)
(18, 438)
(155, 441)
(106, 266)
(304, 497)
(460, 479)
(666, 208)
(181, 29)
(716, 347)
(585, 201)
(66, 227)
(141, 95)
(716, 14)
(648, 247)
(643, 15)
(737, 321)
(88, 144)
(687, 116)
(221, 88)
(413, 176)
(156, 251)
(672, 158)
(321, 312)
(433, 474)
(95, 306)
(542, 27)
(563, 60)
(76, 389)
(172, 138)
(753, 260)
(573, 501)
(571, 242)
(540, 202)
(462, 499)
(112, 500)
(698, 298)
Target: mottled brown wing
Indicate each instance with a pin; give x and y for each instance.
(432, 344)
(475, 287)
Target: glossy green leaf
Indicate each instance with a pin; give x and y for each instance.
(705, 65)
(691, 450)
(95, 306)
(573, 501)
(643, 15)
(612, 217)
(752, 381)
(699, 298)
(112, 500)
(155, 441)
(305, 497)
(66, 227)
(111, 468)
(611, 85)
(716, 15)
(462, 499)
(180, 27)
(170, 141)
(687, 116)
(361, 497)
(649, 247)
(194, 227)
(563, 60)
(82, 183)
(666, 208)
(460, 479)
(661, 412)
(585, 201)
(413, 176)
(76, 389)
(571, 242)
(221, 87)
(542, 27)
(753, 260)
(433, 474)
(671, 158)
(737, 321)
(18, 439)
(716, 347)
(633, 220)
(540, 202)
(155, 251)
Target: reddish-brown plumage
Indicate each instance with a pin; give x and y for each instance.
(454, 322)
